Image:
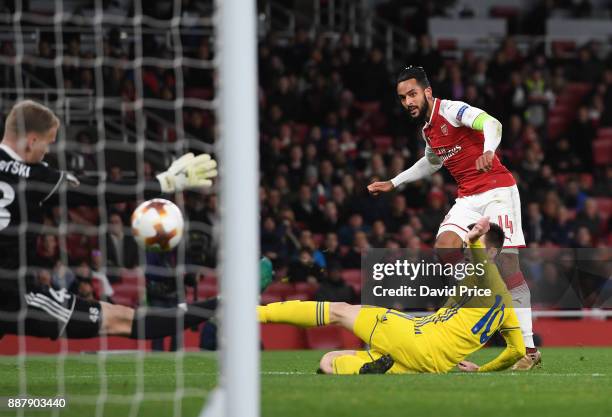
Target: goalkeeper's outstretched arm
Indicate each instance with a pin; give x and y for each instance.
(187, 172)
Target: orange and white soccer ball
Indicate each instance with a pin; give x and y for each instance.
(157, 225)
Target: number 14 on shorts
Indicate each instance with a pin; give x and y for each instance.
(505, 223)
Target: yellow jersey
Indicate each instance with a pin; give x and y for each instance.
(438, 342)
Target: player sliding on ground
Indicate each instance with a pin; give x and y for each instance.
(464, 139)
(400, 343)
(27, 187)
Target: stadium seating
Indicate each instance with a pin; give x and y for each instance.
(602, 151)
(280, 289)
(282, 337)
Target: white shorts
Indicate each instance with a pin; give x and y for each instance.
(502, 205)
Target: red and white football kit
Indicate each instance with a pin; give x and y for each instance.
(452, 141)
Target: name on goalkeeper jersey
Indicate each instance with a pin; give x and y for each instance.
(15, 168)
(412, 270)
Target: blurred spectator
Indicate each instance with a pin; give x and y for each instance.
(589, 218)
(162, 287)
(43, 278)
(98, 273)
(121, 249)
(62, 276)
(352, 259)
(333, 287)
(331, 218)
(47, 251)
(307, 242)
(399, 214)
(581, 132)
(434, 213)
(331, 248)
(378, 235)
(303, 269)
(271, 239)
(82, 286)
(551, 288)
(532, 223)
(347, 232)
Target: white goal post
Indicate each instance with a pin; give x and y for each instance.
(238, 392)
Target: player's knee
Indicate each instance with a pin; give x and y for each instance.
(116, 319)
(448, 240)
(338, 311)
(326, 364)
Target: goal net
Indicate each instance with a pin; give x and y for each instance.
(136, 84)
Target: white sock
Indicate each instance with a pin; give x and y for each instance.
(521, 298)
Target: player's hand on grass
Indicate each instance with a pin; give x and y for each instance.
(188, 172)
(484, 162)
(380, 187)
(481, 227)
(467, 366)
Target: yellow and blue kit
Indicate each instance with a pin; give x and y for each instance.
(438, 342)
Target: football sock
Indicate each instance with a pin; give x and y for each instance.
(298, 313)
(156, 322)
(521, 299)
(347, 364)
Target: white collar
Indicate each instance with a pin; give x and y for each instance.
(11, 152)
(433, 108)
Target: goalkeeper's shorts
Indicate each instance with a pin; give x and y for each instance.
(49, 313)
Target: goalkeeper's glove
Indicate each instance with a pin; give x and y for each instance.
(188, 172)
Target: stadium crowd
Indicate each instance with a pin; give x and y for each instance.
(330, 124)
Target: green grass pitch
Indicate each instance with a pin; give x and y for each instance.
(573, 382)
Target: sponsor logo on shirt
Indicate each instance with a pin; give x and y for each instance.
(445, 154)
(461, 111)
(444, 129)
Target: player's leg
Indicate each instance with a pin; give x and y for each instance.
(152, 322)
(50, 313)
(157, 322)
(504, 208)
(452, 231)
(309, 313)
(352, 362)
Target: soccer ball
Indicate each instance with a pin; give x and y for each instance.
(157, 225)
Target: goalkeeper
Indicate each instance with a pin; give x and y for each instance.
(400, 343)
(27, 186)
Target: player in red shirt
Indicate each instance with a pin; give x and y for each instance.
(464, 139)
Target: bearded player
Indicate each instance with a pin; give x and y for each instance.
(27, 186)
(464, 139)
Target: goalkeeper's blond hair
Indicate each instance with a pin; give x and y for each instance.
(28, 116)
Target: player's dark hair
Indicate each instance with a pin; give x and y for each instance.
(494, 237)
(410, 72)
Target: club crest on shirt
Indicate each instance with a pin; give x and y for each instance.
(444, 129)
